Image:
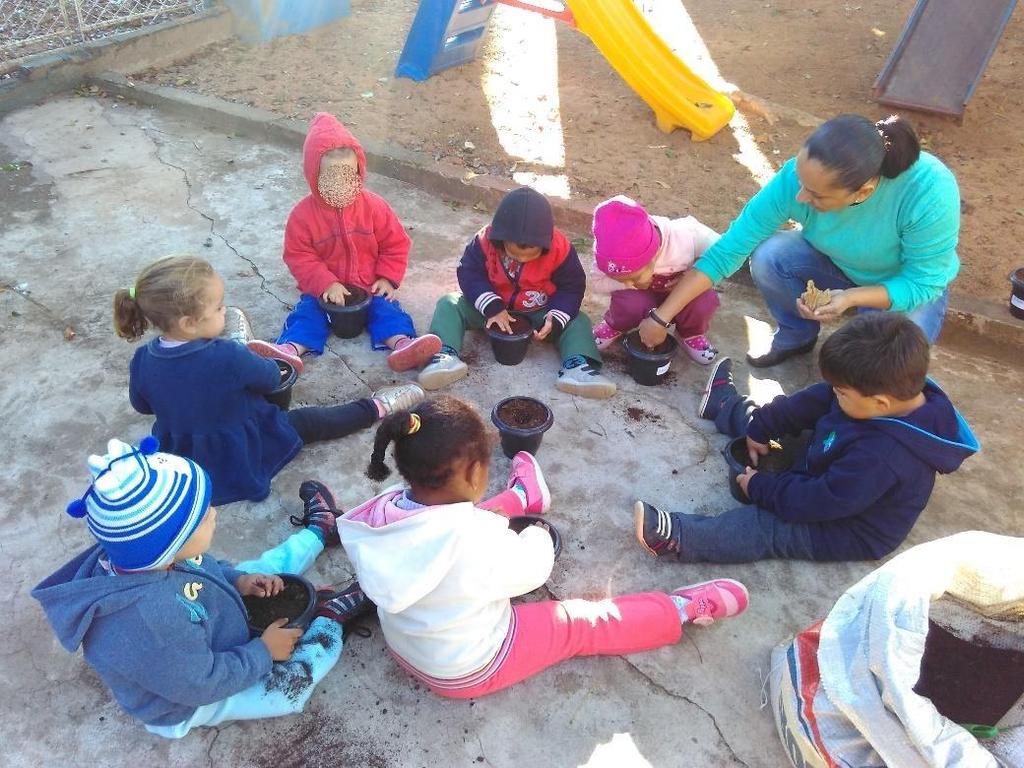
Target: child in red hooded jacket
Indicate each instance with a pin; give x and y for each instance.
(342, 234)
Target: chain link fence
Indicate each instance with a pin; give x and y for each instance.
(32, 26)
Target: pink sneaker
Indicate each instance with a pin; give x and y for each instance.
(713, 600)
(526, 472)
(700, 349)
(284, 352)
(414, 353)
(605, 335)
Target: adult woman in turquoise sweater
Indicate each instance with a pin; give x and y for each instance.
(880, 221)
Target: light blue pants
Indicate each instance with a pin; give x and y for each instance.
(781, 267)
(290, 683)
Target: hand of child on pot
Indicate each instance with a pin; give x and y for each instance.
(744, 480)
(651, 334)
(544, 330)
(280, 642)
(259, 585)
(827, 313)
(756, 450)
(384, 288)
(503, 320)
(336, 293)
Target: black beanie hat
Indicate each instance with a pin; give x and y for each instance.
(524, 216)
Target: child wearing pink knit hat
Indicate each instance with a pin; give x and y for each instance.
(642, 257)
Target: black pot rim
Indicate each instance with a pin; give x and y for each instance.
(731, 460)
(520, 431)
(289, 380)
(498, 335)
(330, 308)
(642, 354)
(1017, 278)
(556, 537)
(304, 618)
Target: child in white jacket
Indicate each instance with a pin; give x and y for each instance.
(640, 258)
(442, 568)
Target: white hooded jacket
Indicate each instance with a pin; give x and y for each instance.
(442, 577)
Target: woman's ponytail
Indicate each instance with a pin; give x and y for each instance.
(902, 147)
(129, 321)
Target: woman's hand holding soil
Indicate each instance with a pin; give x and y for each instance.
(280, 642)
(259, 585)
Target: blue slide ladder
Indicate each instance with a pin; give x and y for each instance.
(445, 33)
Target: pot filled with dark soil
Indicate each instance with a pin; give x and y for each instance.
(511, 348)
(1017, 293)
(281, 395)
(349, 319)
(296, 602)
(522, 522)
(648, 366)
(969, 680)
(780, 457)
(521, 422)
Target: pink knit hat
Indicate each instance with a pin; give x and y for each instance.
(625, 238)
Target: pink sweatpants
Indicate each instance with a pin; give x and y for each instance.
(543, 634)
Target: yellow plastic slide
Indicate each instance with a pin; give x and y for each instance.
(679, 98)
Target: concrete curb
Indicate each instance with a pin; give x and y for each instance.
(40, 75)
(981, 326)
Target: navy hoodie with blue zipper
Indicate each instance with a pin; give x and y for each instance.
(165, 642)
(866, 480)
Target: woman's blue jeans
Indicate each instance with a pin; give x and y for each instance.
(781, 267)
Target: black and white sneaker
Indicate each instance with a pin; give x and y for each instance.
(579, 377)
(318, 511)
(720, 387)
(654, 529)
(344, 606)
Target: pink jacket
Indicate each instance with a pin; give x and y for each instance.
(354, 245)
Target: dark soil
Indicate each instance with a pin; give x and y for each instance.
(637, 413)
(292, 678)
(778, 459)
(289, 604)
(635, 343)
(969, 682)
(522, 413)
(520, 325)
(355, 295)
(284, 369)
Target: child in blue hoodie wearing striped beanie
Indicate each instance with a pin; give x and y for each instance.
(163, 623)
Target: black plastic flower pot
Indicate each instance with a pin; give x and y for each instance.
(1017, 293)
(296, 602)
(281, 396)
(348, 320)
(522, 522)
(649, 366)
(780, 457)
(521, 422)
(511, 348)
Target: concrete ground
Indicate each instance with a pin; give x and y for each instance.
(111, 187)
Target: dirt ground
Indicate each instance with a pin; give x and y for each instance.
(808, 59)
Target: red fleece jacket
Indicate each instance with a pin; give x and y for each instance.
(354, 245)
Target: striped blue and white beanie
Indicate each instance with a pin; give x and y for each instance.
(142, 505)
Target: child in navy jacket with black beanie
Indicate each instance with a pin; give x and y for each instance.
(881, 430)
(520, 266)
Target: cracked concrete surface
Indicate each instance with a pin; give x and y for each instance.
(112, 187)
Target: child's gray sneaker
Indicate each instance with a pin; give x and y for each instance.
(399, 397)
(579, 377)
(444, 369)
(237, 326)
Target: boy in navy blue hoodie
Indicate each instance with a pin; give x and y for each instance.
(520, 264)
(163, 624)
(881, 430)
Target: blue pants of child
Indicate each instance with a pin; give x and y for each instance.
(308, 325)
(781, 267)
(746, 533)
(290, 683)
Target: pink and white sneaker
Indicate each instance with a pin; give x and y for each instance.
(526, 472)
(700, 349)
(414, 353)
(286, 352)
(713, 600)
(605, 335)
